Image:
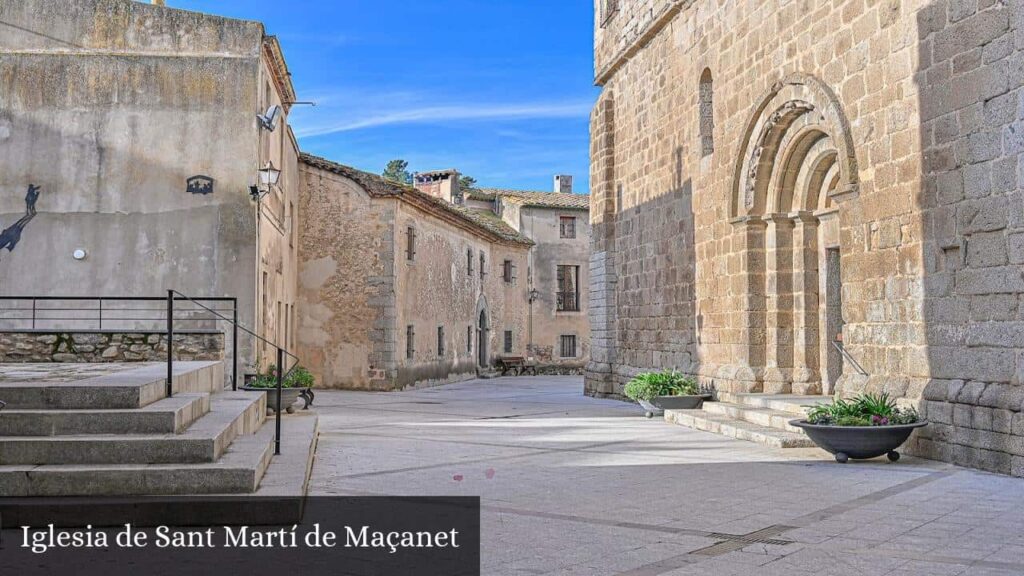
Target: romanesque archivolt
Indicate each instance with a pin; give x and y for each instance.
(796, 152)
(12, 234)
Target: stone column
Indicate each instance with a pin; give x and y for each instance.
(749, 352)
(779, 304)
(806, 350)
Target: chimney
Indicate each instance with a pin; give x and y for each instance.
(443, 184)
(563, 183)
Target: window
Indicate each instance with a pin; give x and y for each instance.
(483, 266)
(707, 113)
(410, 341)
(469, 261)
(508, 271)
(568, 345)
(568, 289)
(508, 341)
(410, 243)
(291, 224)
(567, 226)
(469, 339)
(440, 340)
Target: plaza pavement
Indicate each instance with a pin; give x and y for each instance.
(579, 486)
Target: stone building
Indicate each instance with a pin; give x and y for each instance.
(558, 268)
(399, 286)
(768, 177)
(133, 129)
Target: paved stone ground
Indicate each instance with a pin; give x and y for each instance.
(578, 486)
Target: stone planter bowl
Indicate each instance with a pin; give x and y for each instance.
(658, 404)
(858, 442)
(288, 397)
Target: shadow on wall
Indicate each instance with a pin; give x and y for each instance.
(972, 242)
(656, 313)
(11, 235)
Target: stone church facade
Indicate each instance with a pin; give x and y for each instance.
(769, 178)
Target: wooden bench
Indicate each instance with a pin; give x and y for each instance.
(518, 363)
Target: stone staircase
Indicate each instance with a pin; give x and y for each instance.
(761, 418)
(118, 434)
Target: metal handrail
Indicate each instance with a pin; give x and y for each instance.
(281, 353)
(839, 346)
(96, 317)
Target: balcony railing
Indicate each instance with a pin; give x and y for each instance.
(568, 302)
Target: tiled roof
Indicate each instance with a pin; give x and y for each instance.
(535, 199)
(378, 186)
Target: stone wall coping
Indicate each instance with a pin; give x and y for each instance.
(106, 331)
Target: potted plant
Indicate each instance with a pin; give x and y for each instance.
(298, 383)
(665, 390)
(867, 426)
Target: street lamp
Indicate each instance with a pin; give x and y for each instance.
(268, 179)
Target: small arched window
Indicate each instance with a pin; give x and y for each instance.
(707, 113)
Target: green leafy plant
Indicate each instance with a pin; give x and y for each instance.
(863, 410)
(648, 385)
(300, 377)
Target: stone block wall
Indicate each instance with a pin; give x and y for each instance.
(924, 101)
(134, 346)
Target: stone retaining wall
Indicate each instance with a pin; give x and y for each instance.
(42, 346)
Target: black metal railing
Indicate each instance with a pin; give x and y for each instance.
(143, 313)
(568, 302)
(113, 313)
(282, 375)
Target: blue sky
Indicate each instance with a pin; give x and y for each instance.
(500, 90)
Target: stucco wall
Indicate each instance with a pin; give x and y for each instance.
(551, 250)
(924, 95)
(108, 107)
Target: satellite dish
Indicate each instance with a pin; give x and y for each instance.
(269, 119)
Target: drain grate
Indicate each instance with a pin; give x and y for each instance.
(735, 542)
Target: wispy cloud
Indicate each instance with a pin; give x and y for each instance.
(428, 114)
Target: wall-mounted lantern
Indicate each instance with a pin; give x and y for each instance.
(268, 179)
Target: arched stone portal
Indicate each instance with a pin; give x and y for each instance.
(795, 157)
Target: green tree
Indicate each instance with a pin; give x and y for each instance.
(467, 182)
(397, 171)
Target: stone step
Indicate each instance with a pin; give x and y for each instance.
(231, 415)
(133, 388)
(238, 471)
(168, 416)
(740, 429)
(284, 481)
(791, 403)
(761, 416)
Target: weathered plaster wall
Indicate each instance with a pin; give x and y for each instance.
(928, 232)
(437, 289)
(345, 282)
(278, 223)
(551, 250)
(108, 107)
